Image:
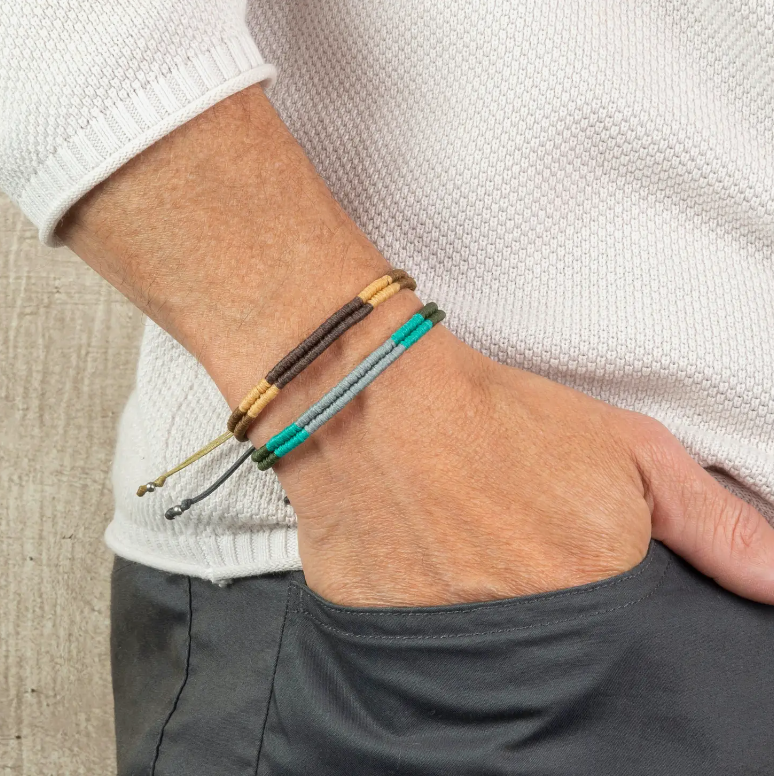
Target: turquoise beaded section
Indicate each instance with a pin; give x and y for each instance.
(291, 436)
(279, 439)
(417, 334)
(409, 326)
(340, 395)
(300, 437)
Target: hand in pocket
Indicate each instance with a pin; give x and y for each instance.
(456, 479)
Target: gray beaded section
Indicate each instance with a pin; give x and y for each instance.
(365, 380)
(346, 383)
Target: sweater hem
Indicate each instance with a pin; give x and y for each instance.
(127, 128)
(215, 557)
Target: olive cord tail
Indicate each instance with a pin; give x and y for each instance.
(294, 363)
(330, 404)
(187, 503)
(149, 487)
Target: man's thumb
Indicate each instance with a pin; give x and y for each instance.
(718, 533)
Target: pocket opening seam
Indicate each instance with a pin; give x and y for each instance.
(502, 604)
(273, 680)
(183, 684)
(489, 632)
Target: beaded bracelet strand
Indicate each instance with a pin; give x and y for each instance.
(300, 357)
(329, 405)
(382, 289)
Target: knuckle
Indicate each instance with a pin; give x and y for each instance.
(651, 439)
(738, 527)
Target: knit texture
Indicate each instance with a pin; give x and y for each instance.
(86, 86)
(586, 188)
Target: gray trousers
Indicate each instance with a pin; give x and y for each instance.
(653, 672)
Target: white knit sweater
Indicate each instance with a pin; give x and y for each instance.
(586, 187)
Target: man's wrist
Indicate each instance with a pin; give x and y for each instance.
(381, 444)
(239, 251)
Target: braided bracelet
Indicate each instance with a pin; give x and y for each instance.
(329, 405)
(294, 363)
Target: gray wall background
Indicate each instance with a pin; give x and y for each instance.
(68, 344)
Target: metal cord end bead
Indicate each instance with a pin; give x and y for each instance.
(178, 510)
(149, 487)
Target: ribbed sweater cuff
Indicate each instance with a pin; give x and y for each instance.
(208, 555)
(126, 128)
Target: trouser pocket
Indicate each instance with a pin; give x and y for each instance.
(608, 678)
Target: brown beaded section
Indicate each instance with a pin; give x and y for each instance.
(294, 363)
(313, 346)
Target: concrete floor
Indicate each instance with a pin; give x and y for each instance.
(68, 344)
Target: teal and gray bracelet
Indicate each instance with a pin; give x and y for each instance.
(329, 405)
(338, 397)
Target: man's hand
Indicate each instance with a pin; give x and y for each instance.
(459, 479)
(452, 478)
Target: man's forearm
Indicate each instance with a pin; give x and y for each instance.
(225, 235)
